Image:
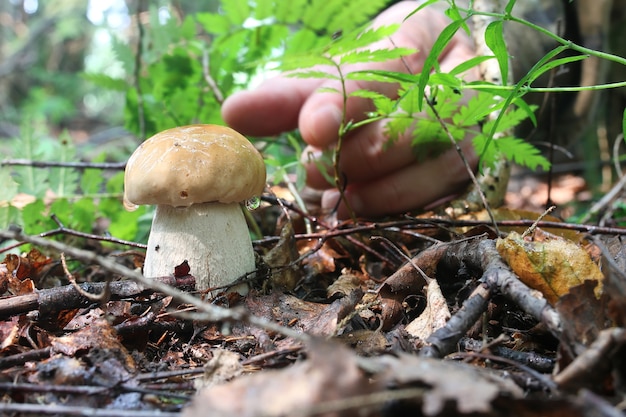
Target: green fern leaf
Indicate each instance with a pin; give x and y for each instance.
(354, 13)
(377, 55)
(264, 8)
(290, 12)
(63, 181)
(359, 38)
(106, 81)
(237, 11)
(475, 110)
(318, 14)
(510, 120)
(522, 152)
(215, 24)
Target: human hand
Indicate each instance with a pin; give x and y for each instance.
(379, 181)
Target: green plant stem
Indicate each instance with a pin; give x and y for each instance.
(544, 31)
(344, 127)
(526, 89)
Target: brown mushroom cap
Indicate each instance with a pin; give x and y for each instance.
(193, 164)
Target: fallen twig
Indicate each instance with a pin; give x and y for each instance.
(69, 297)
(210, 312)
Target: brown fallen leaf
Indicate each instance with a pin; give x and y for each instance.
(434, 316)
(99, 334)
(552, 266)
(223, 366)
(447, 383)
(280, 258)
(330, 373)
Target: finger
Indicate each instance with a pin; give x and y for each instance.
(322, 113)
(412, 187)
(366, 154)
(270, 109)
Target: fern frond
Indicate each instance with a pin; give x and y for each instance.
(522, 152)
(354, 13)
(291, 11)
(237, 11)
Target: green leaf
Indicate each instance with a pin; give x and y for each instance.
(290, 11)
(314, 74)
(123, 53)
(383, 76)
(511, 119)
(9, 215)
(522, 152)
(494, 38)
(9, 186)
(469, 64)
(304, 41)
(83, 214)
(64, 181)
(359, 39)
(420, 7)
(509, 7)
(237, 11)
(319, 14)
(351, 14)
(264, 8)
(475, 111)
(442, 41)
(106, 81)
(216, 24)
(31, 180)
(554, 64)
(378, 55)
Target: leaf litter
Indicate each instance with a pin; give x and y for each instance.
(338, 324)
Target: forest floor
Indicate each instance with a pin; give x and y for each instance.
(420, 315)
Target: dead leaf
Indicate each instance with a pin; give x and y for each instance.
(19, 272)
(614, 267)
(347, 282)
(281, 257)
(99, 334)
(405, 282)
(434, 316)
(583, 315)
(314, 318)
(472, 389)
(551, 267)
(330, 373)
(182, 270)
(222, 367)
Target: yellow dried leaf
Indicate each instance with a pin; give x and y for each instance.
(552, 266)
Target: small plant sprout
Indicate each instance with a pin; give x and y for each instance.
(197, 176)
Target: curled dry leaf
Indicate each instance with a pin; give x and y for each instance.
(18, 272)
(434, 316)
(552, 266)
(281, 257)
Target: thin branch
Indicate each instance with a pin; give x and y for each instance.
(141, 117)
(206, 72)
(113, 166)
(211, 312)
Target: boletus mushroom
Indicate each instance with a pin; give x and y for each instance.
(197, 176)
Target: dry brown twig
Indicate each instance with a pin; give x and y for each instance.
(207, 312)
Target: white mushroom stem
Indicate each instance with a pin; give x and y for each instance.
(212, 237)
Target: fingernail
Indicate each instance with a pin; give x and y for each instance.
(330, 198)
